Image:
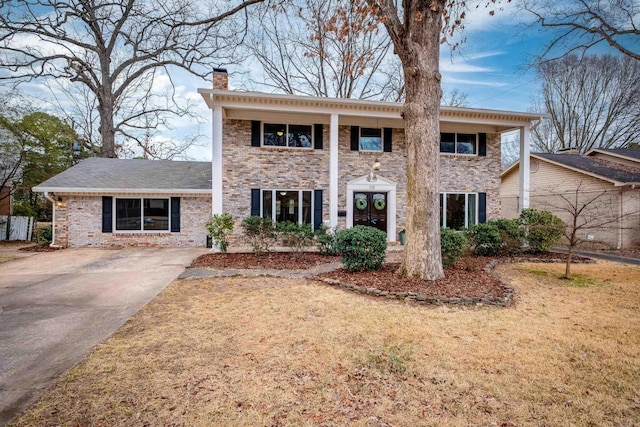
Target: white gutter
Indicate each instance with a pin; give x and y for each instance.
(53, 222)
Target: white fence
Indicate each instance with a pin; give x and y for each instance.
(16, 227)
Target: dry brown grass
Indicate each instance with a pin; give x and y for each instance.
(270, 352)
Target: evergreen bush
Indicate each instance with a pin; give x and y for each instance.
(294, 235)
(220, 228)
(260, 232)
(485, 239)
(44, 234)
(543, 229)
(512, 234)
(452, 244)
(362, 248)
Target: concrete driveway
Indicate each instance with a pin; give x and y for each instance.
(55, 306)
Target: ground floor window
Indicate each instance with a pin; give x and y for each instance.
(288, 205)
(142, 214)
(458, 210)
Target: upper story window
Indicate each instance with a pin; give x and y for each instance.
(370, 139)
(285, 135)
(459, 143)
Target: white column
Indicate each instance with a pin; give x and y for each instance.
(216, 161)
(391, 215)
(525, 138)
(333, 171)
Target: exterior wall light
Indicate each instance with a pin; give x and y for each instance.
(374, 168)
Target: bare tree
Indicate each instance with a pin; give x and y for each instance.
(594, 101)
(585, 210)
(582, 24)
(416, 30)
(455, 98)
(117, 51)
(331, 48)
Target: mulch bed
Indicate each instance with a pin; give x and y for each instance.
(38, 248)
(466, 278)
(457, 283)
(270, 260)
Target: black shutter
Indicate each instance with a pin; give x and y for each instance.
(107, 214)
(255, 133)
(317, 137)
(482, 208)
(317, 209)
(482, 144)
(388, 132)
(355, 138)
(175, 214)
(255, 202)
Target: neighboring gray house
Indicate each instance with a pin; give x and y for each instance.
(289, 158)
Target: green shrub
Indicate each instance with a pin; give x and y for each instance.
(452, 245)
(485, 239)
(44, 234)
(294, 235)
(362, 248)
(260, 232)
(220, 227)
(512, 234)
(543, 229)
(326, 238)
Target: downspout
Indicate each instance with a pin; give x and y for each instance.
(53, 222)
(620, 219)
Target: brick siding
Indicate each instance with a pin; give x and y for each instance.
(79, 224)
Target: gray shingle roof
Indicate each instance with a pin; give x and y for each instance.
(606, 169)
(101, 174)
(634, 154)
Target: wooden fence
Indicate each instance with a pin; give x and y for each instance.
(16, 227)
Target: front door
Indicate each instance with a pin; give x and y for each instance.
(370, 209)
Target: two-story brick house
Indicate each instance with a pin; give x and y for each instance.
(291, 158)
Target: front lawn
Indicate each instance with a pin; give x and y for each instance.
(272, 352)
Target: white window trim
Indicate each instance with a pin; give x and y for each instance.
(280, 147)
(142, 230)
(466, 206)
(381, 140)
(455, 145)
(273, 202)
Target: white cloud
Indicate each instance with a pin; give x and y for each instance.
(451, 80)
(462, 67)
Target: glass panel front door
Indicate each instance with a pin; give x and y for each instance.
(370, 209)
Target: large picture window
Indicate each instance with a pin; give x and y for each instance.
(142, 214)
(370, 139)
(287, 205)
(458, 210)
(285, 135)
(458, 143)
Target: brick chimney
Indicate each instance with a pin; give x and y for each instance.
(220, 79)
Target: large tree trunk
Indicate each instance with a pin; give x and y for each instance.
(420, 55)
(106, 109)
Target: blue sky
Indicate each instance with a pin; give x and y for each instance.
(492, 66)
